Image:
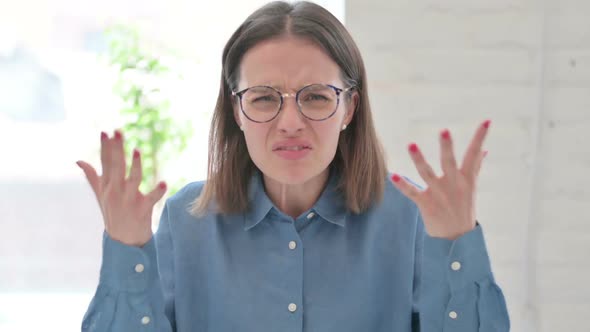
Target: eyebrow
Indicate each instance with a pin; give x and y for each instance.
(278, 87)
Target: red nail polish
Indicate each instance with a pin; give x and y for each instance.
(395, 178)
(103, 136)
(162, 185)
(413, 147)
(118, 134)
(486, 124)
(446, 134)
(135, 153)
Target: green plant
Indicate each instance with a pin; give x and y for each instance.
(147, 124)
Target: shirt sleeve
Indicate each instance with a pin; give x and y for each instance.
(129, 296)
(455, 288)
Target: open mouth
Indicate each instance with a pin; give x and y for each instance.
(292, 148)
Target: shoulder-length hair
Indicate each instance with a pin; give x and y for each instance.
(359, 157)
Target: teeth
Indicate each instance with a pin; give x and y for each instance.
(292, 148)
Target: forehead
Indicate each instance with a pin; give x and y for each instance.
(287, 63)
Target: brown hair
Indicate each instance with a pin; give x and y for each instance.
(359, 158)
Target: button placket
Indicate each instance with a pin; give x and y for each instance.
(294, 269)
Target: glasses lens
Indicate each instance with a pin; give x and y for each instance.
(318, 101)
(261, 103)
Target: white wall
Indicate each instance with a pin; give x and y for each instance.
(525, 65)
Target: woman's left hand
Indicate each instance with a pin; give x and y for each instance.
(447, 204)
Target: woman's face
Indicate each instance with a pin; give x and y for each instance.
(288, 64)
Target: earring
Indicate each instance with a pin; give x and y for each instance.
(343, 127)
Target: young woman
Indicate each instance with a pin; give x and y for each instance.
(299, 226)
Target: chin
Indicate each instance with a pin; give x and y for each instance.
(291, 175)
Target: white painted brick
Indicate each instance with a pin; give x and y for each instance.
(512, 29)
(555, 217)
(462, 67)
(568, 68)
(405, 6)
(567, 162)
(448, 103)
(565, 105)
(555, 7)
(564, 146)
(568, 29)
(506, 251)
(436, 64)
(563, 282)
(564, 247)
(564, 316)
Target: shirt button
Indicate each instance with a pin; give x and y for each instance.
(292, 307)
(453, 315)
(456, 266)
(145, 320)
(292, 245)
(310, 215)
(139, 268)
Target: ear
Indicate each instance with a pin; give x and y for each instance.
(351, 107)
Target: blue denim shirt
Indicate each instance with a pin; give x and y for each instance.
(327, 270)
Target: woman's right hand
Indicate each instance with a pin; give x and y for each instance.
(127, 213)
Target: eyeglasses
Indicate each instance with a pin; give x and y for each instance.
(316, 102)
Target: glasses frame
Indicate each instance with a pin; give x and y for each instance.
(338, 91)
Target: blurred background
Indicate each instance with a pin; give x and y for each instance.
(70, 69)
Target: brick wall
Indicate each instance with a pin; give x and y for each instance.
(525, 65)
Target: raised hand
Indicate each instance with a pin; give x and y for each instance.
(447, 204)
(127, 213)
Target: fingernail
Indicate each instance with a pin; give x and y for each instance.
(78, 163)
(446, 134)
(487, 123)
(485, 153)
(117, 134)
(395, 177)
(413, 147)
(135, 153)
(103, 136)
(162, 185)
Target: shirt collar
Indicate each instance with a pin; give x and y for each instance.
(331, 205)
(259, 203)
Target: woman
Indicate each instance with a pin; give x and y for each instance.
(298, 226)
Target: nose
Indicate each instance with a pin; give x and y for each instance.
(290, 120)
